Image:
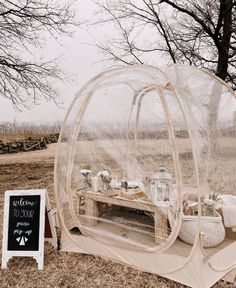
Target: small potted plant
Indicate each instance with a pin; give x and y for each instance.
(85, 171)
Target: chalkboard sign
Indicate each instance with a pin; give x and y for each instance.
(23, 225)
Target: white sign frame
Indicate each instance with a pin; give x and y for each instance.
(52, 223)
(37, 255)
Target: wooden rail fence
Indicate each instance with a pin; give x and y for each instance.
(27, 144)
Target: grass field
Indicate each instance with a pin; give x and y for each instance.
(35, 170)
(17, 132)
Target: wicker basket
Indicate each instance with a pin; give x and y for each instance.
(212, 227)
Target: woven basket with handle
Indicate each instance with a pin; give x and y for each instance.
(211, 226)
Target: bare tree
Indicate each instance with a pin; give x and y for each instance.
(198, 32)
(24, 25)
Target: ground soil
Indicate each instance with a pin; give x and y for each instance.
(35, 170)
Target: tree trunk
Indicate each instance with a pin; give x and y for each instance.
(224, 43)
(221, 72)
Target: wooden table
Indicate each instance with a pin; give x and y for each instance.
(160, 220)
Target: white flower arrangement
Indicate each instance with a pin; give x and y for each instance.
(85, 171)
(105, 177)
(103, 173)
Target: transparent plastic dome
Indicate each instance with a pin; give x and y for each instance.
(141, 154)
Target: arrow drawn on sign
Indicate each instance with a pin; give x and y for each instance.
(22, 240)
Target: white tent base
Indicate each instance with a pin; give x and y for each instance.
(192, 270)
(230, 277)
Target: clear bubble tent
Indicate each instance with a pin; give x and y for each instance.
(145, 172)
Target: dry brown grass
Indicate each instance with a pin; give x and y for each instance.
(63, 269)
(17, 132)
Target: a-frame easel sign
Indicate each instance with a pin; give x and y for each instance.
(24, 225)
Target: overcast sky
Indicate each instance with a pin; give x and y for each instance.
(77, 58)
